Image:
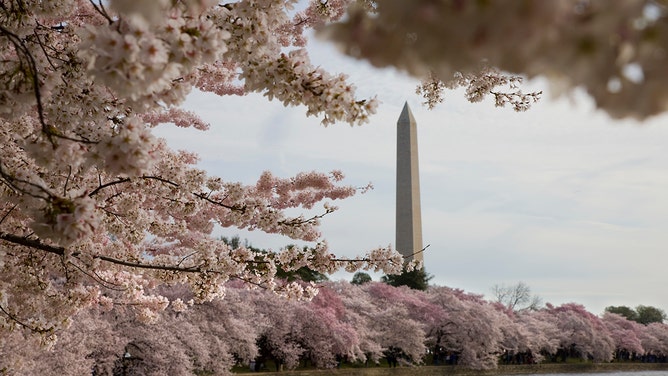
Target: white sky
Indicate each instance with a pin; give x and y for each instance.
(560, 197)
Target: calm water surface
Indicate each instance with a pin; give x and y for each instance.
(635, 373)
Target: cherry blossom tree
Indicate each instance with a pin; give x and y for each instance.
(611, 49)
(391, 324)
(96, 210)
(540, 334)
(582, 333)
(627, 335)
(207, 338)
(326, 333)
(651, 342)
(224, 327)
(470, 328)
(278, 337)
(654, 339)
(106, 343)
(360, 311)
(393, 317)
(514, 338)
(318, 332)
(90, 343)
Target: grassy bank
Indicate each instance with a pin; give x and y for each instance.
(456, 370)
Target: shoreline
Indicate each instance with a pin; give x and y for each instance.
(528, 369)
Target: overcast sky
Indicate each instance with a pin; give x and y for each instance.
(561, 197)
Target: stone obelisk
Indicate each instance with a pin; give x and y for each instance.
(409, 217)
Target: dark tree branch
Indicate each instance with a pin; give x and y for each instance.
(32, 243)
(105, 185)
(24, 325)
(100, 9)
(219, 203)
(7, 214)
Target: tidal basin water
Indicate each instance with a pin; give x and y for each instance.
(634, 373)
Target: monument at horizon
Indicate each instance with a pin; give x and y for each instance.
(408, 213)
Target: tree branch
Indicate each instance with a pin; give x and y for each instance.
(32, 243)
(105, 185)
(24, 325)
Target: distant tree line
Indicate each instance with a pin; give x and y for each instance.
(369, 324)
(641, 314)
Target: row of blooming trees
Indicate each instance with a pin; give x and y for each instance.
(359, 324)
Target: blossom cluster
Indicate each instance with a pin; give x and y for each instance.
(294, 80)
(67, 221)
(128, 152)
(486, 81)
(140, 60)
(613, 49)
(258, 40)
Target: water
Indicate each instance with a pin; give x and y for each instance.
(634, 373)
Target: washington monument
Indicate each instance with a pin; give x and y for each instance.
(409, 217)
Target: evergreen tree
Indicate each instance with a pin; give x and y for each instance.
(628, 312)
(417, 279)
(642, 314)
(361, 278)
(649, 314)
